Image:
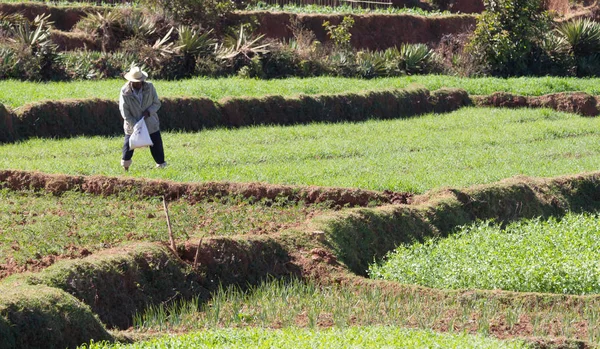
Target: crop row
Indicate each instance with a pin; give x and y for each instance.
(365, 337)
(553, 256)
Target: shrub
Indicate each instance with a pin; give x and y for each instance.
(281, 61)
(506, 34)
(340, 34)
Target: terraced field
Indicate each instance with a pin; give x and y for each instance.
(264, 235)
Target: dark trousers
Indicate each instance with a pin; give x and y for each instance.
(156, 150)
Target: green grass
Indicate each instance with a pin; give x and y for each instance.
(528, 256)
(34, 225)
(362, 337)
(17, 93)
(463, 148)
(341, 9)
(295, 304)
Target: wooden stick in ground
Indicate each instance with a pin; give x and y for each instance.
(197, 254)
(171, 239)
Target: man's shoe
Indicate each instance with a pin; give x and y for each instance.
(126, 164)
(163, 165)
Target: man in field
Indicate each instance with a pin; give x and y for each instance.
(138, 99)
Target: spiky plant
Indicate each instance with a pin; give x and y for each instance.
(244, 45)
(9, 21)
(191, 43)
(416, 58)
(581, 36)
(36, 36)
(8, 63)
(107, 27)
(370, 64)
(139, 25)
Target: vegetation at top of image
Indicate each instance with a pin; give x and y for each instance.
(554, 256)
(33, 225)
(409, 155)
(341, 9)
(366, 337)
(517, 37)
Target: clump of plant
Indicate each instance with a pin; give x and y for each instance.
(508, 36)
(340, 34)
(30, 53)
(86, 65)
(243, 52)
(580, 40)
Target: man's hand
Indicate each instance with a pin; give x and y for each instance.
(146, 114)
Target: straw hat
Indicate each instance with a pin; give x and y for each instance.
(136, 75)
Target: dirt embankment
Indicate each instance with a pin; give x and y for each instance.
(64, 18)
(194, 192)
(372, 31)
(572, 102)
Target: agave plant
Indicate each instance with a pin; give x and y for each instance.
(163, 46)
(80, 64)
(107, 27)
(415, 58)
(243, 45)
(36, 36)
(192, 44)
(371, 64)
(138, 25)
(8, 63)
(581, 36)
(9, 21)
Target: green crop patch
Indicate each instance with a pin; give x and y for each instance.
(554, 256)
(18, 93)
(459, 149)
(35, 225)
(363, 337)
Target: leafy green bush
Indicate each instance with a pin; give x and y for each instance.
(507, 33)
(340, 34)
(557, 256)
(280, 62)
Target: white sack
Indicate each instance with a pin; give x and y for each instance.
(140, 136)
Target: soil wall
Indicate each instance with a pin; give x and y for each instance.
(70, 41)
(372, 31)
(64, 18)
(69, 118)
(7, 125)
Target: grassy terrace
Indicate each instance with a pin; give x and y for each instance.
(17, 93)
(35, 224)
(463, 148)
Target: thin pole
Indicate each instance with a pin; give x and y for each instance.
(171, 239)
